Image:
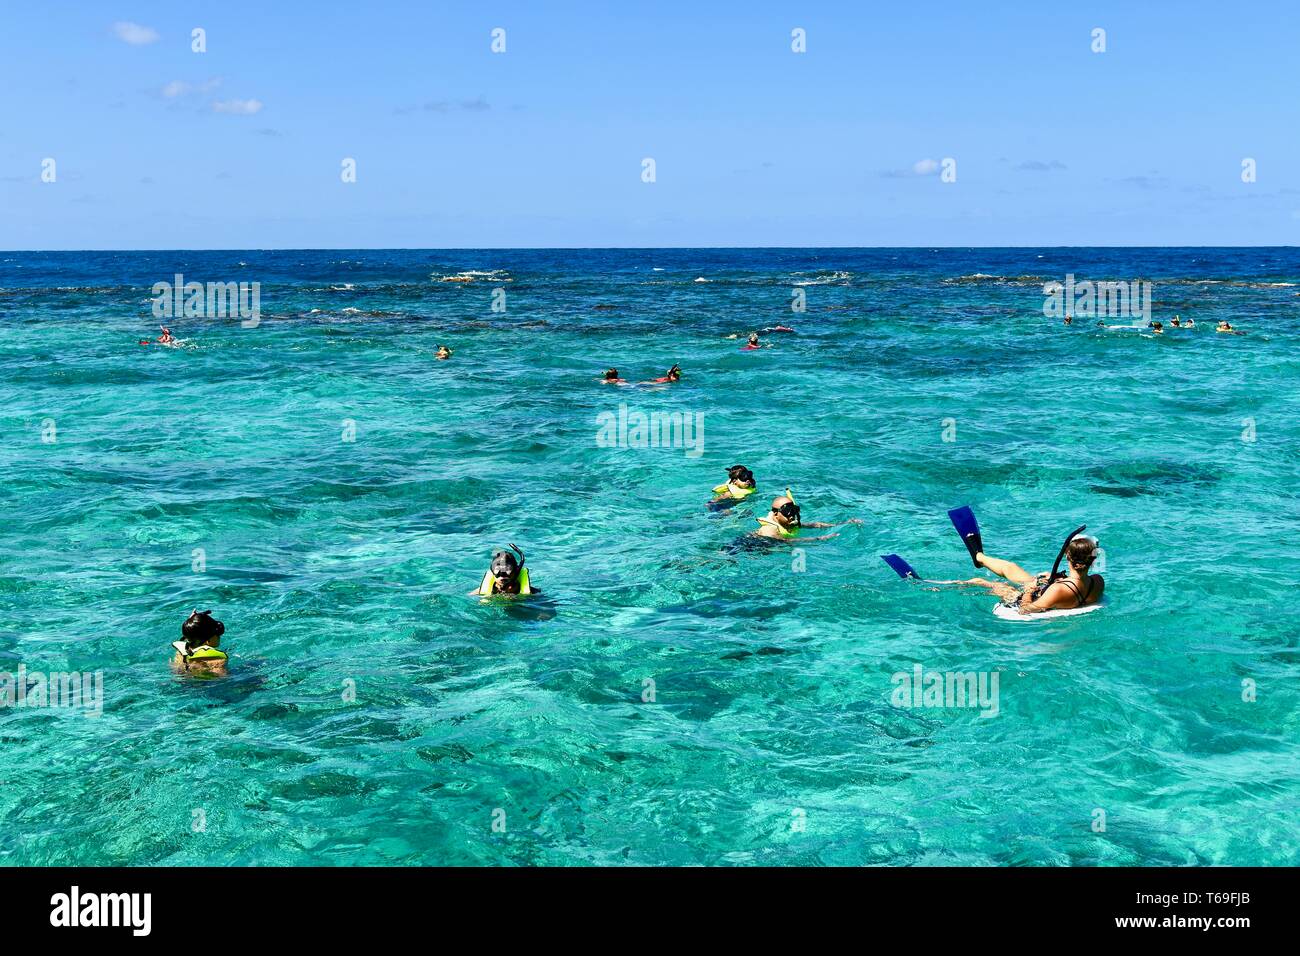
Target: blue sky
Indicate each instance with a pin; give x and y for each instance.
(159, 147)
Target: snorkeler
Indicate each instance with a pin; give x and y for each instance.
(1034, 593)
(443, 352)
(674, 374)
(753, 343)
(197, 650)
(1157, 328)
(1069, 320)
(740, 485)
(164, 339)
(611, 377)
(776, 328)
(1225, 326)
(784, 521)
(506, 575)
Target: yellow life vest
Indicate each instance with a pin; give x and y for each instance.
(204, 652)
(733, 491)
(489, 584)
(784, 532)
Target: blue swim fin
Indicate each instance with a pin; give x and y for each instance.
(903, 569)
(963, 519)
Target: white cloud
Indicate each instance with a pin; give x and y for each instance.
(238, 107)
(133, 33)
(925, 167)
(180, 88)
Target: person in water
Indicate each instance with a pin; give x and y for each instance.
(1225, 326)
(753, 343)
(506, 575)
(1035, 593)
(740, 485)
(443, 352)
(1157, 328)
(674, 374)
(611, 377)
(1069, 320)
(785, 521)
(1176, 323)
(776, 328)
(198, 649)
(166, 337)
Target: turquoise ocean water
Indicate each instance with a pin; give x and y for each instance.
(769, 735)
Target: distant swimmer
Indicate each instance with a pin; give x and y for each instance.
(785, 521)
(506, 576)
(740, 485)
(443, 352)
(753, 343)
(1157, 328)
(611, 377)
(165, 339)
(197, 652)
(1225, 326)
(777, 328)
(1069, 320)
(674, 374)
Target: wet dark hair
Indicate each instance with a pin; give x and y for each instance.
(611, 373)
(201, 628)
(1081, 552)
(740, 473)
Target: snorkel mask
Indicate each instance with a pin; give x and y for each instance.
(505, 567)
(740, 475)
(789, 511)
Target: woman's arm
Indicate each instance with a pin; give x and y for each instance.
(1046, 601)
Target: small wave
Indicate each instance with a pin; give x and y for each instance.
(473, 275)
(826, 278)
(985, 277)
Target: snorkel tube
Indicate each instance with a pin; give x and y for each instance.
(1061, 554)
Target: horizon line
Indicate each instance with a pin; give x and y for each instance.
(932, 248)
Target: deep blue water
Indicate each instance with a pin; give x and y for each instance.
(771, 736)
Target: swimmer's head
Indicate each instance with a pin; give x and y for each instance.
(611, 374)
(1223, 324)
(785, 511)
(740, 475)
(202, 628)
(1157, 327)
(505, 566)
(674, 373)
(1081, 552)
(1176, 322)
(753, 338)
(1068, 320)
(444, 352)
